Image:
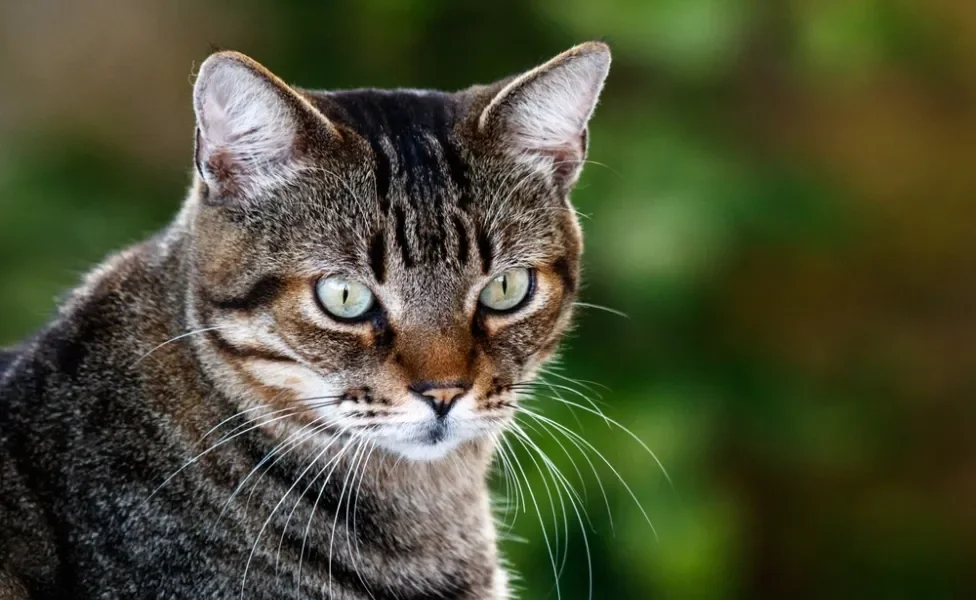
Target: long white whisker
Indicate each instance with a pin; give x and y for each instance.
(335, 522)
(583, 382)
(311, 517)
(623, 482)
(333, 462)
(555, 390)
(569, 456)
(596, 409)
(257, 540)
(510, 489)
(290, 411)
(528, 444)
(206, 452)
(355, 533)
(231, 418)
(299, 405)
(545, 534)
(292, 441)
(575, 501)
(612, 311)
(630, 433)
(586, 457)
(175, 339)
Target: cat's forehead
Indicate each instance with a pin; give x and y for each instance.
(420, 206)
(422, 188)
(393, 113)
(416, 151)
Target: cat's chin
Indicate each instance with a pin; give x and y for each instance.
(429, 442)
(422, 452)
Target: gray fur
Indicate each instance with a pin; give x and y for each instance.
(106, 489)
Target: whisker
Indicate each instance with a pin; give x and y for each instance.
(292, 441)
(612, 311)
(334, 462)
(274, 511)
(623, 482)
(229, 419)
(311, 516)
(299, 407)
(506, 472)
(535, 384)
(576, 503)
(263, 406)
(586, 457)
(355, 533)
(175, 339)
(569, 456)
(545, 534)
(211, 449)
(553, 387)
(512, 490)
(549, 370)
(630, 433)
(335, 521)
(521, 437)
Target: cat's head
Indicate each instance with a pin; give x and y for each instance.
(391, 262)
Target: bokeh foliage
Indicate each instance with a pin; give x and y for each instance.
(779, 200)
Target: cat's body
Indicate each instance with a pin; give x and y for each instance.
(150, 440)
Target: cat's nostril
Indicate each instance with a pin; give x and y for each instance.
(440, 397)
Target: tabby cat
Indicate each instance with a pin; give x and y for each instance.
(296, 388)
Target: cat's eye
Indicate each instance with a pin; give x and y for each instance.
(507, 291)
(344, 298)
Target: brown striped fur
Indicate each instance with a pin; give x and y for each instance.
(193, 423)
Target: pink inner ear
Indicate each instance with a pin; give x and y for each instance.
(246, 129)
(544, 112)
(566, 160)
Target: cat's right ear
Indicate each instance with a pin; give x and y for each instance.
(252, 128)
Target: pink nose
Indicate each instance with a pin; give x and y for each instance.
(444, 395)
(440, 398)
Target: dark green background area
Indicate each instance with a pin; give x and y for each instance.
(780, 200)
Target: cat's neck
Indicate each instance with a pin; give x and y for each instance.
(463, 471)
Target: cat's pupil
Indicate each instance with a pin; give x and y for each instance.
(345, 293)
(504, 285)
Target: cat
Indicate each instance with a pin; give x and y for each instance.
(296, 389)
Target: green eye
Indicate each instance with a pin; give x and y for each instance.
(507, 290)
(343, 298)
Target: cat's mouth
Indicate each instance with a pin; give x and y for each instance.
(437, 432)
(424, 442)
(416, 432)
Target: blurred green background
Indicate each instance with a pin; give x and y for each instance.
(783, 207)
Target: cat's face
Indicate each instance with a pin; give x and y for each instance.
(387, 264)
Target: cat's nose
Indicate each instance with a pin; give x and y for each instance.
(440, 396)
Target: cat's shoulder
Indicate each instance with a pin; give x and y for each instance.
(7, 357)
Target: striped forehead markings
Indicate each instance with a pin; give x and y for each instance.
(413, 130)
(377, 256)
(462, 238)
(400, 227)
(412, 138)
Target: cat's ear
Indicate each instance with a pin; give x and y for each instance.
(542, 115)
(252, 128)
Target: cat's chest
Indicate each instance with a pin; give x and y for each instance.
(327, 546)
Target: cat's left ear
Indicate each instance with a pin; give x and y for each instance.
(542, 115)
(253, 130)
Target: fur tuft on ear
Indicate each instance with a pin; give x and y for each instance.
(248, 123)
(542, 114)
